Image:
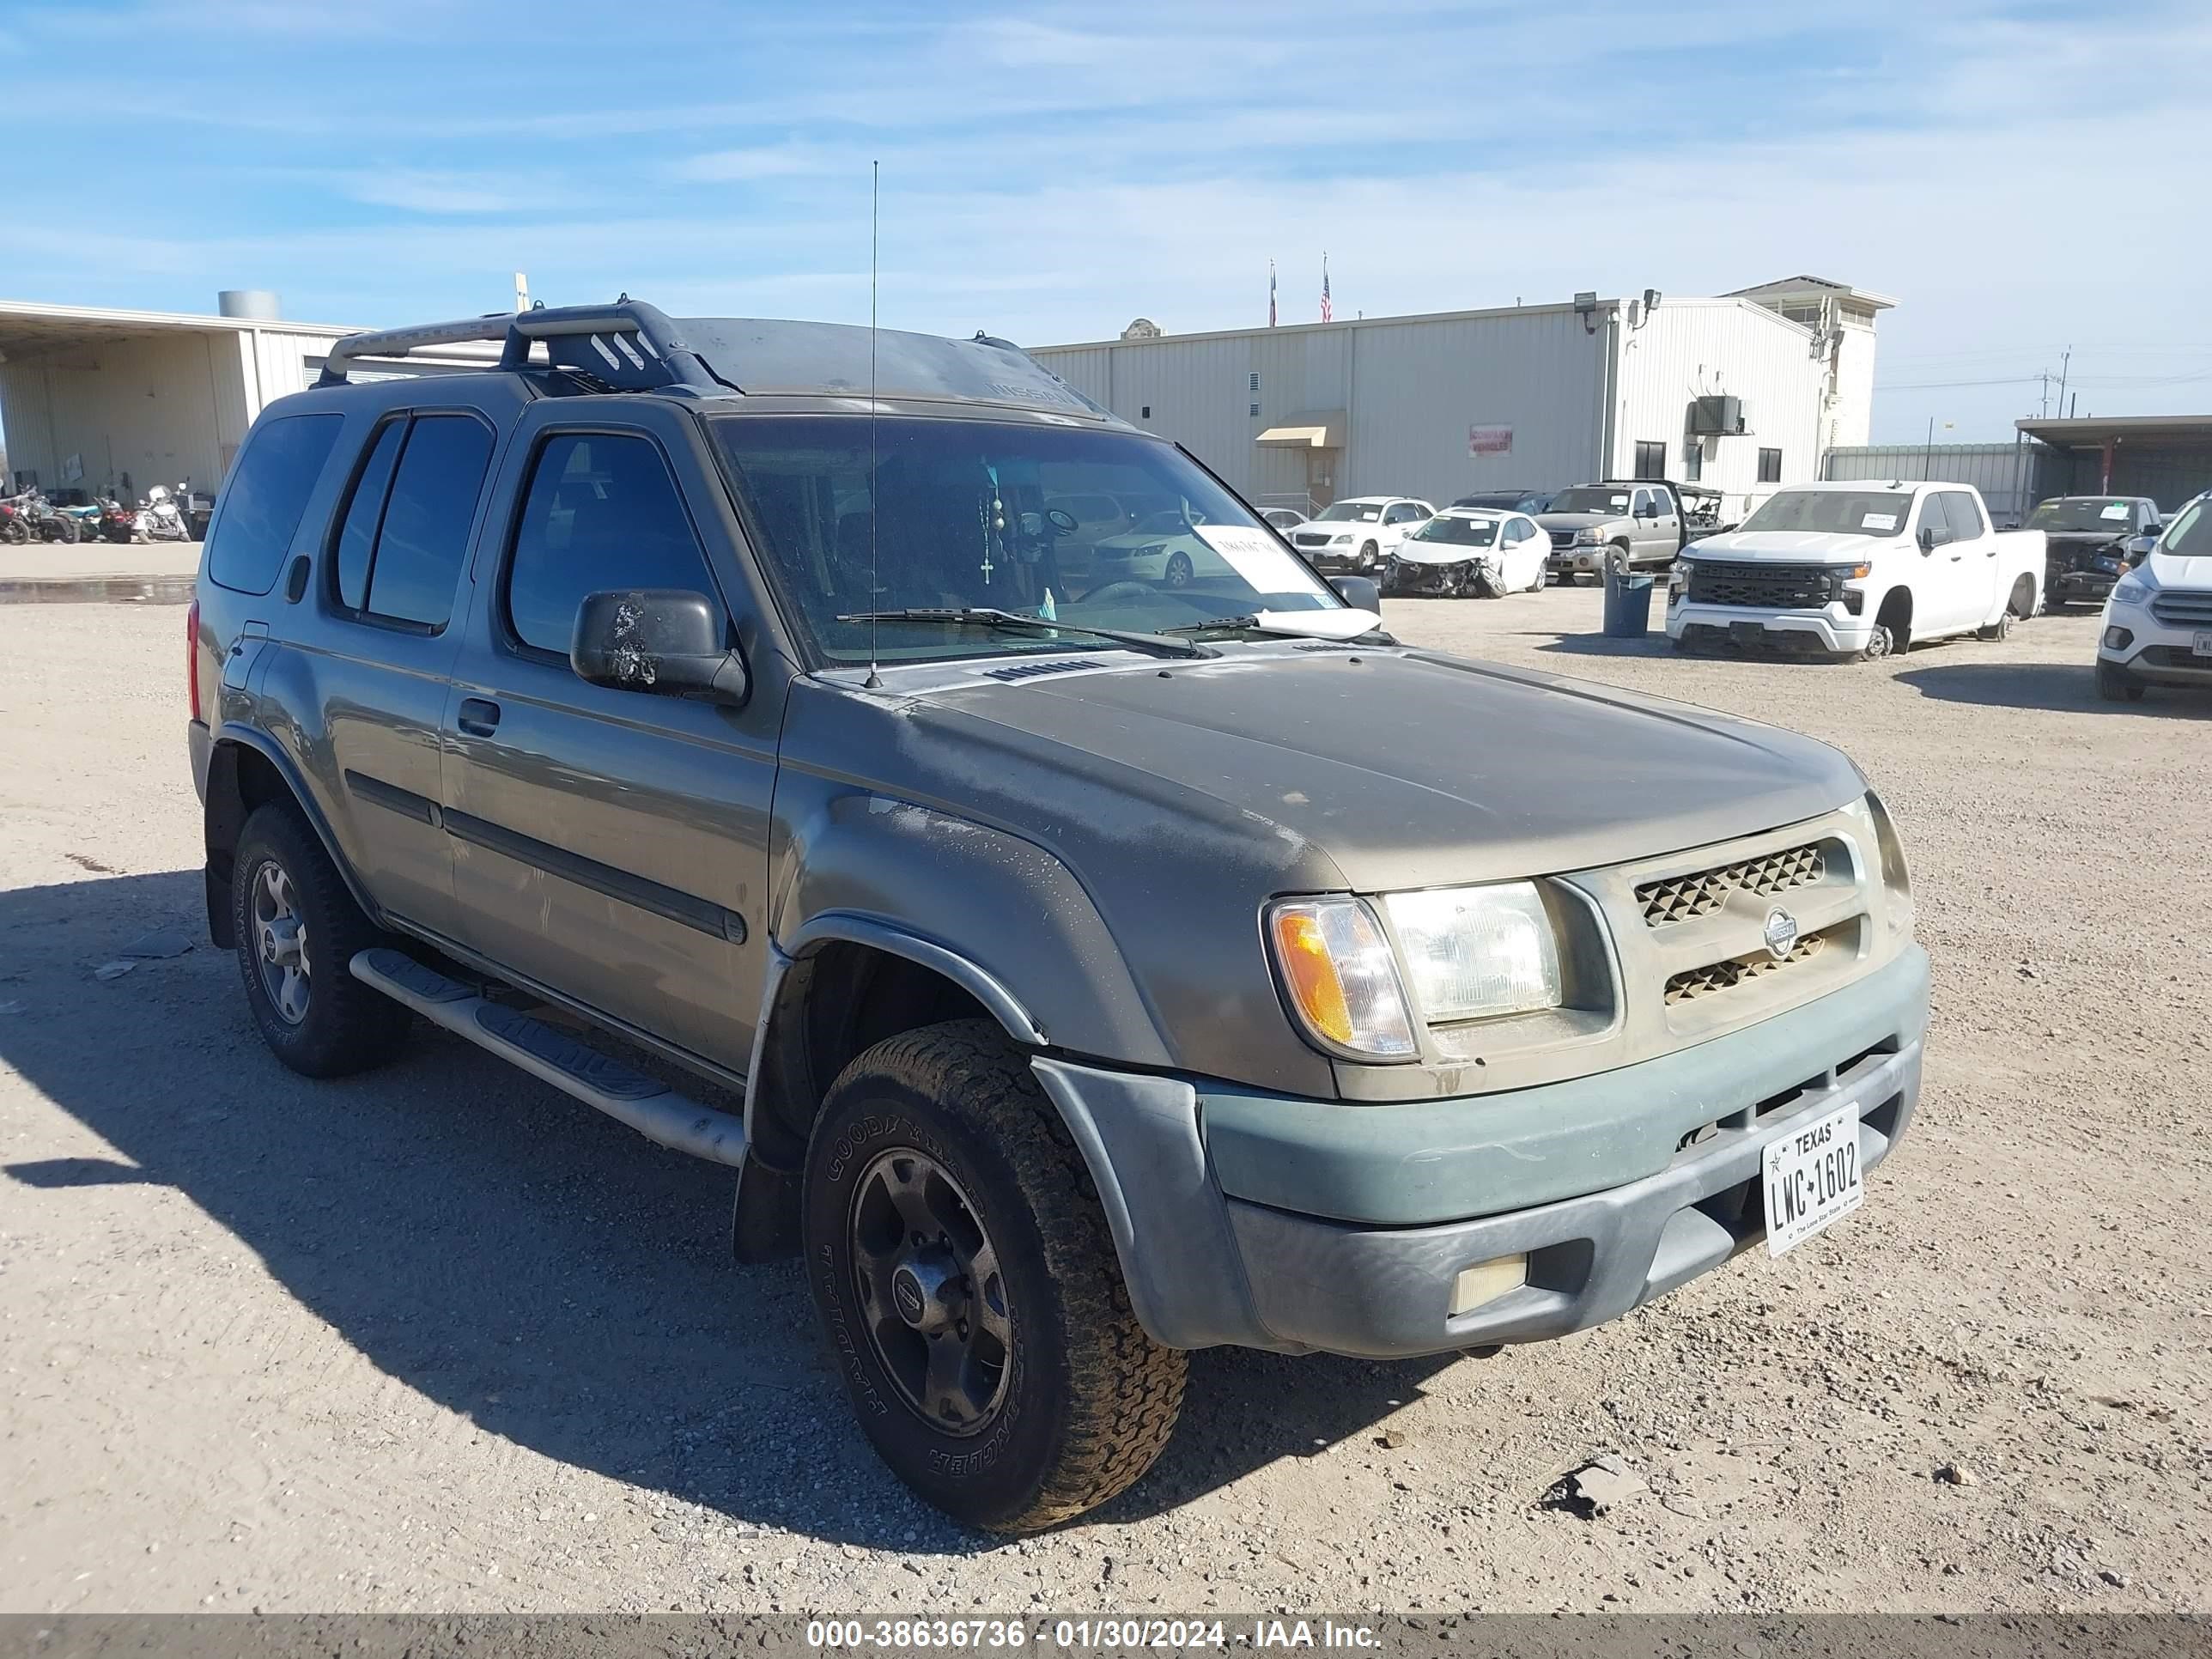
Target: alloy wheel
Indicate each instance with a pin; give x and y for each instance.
(279, 935)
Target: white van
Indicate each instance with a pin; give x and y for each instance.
(2157, 625)
(1862, 569)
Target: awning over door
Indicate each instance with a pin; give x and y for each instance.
(1315, 429)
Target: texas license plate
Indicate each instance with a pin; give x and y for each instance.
(2202, 645)
(1813, 1179)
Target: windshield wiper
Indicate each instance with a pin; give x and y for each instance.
(983, 617)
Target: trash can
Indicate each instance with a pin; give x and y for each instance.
(1627, 603)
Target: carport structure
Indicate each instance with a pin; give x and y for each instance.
(2167, 458)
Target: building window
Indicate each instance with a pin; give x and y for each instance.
(1693, 461)
(1146, 413)
(1255, 380)
(1255, 409)
(1651, 460)
(1770, 467)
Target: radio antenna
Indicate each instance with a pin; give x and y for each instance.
(875, 502)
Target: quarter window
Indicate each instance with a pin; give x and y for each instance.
(406, 529)
(601, 513)
(265, 499)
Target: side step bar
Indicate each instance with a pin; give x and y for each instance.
(600, 1081)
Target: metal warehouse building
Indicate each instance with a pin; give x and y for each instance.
(1740, 392)
(90, 398)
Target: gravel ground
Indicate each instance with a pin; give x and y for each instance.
(437, 1339)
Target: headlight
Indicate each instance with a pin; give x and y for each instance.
(2132, 590)
(1588, 537)
(1344, 536)
(1478, 952)
(1851, 573)
(1895, 879)
(1338, 977)
(1150, 549)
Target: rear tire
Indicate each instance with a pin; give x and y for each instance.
(1012, 1408)
(298, 928)
(2116, 684)
(1997, 630)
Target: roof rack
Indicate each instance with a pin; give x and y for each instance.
(628, 346)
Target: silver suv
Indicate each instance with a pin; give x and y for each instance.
(1076, 971)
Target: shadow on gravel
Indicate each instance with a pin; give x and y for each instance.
(516, 1257)
(2067, 687)
(1601, 645)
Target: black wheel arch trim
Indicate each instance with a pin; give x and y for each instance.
(223, 798)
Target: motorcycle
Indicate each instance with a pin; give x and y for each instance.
(48, 523)
(160, 519)
(16, 519)
(118, 523)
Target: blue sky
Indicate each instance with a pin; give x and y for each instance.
(2022, 177)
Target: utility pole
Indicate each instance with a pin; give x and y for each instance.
(2062, 363)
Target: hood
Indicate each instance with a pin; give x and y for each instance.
(1790, 546)
(1402, 769)
(2171, 570)
(2084, 541)
(1578, 520)
(1413, 550)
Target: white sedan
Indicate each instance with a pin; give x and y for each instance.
(1165, 548)
(1359, 533)
(1463, 550)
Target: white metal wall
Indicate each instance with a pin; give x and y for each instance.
(2012, 477)
(1692, 347)
(160, 407)
(1410, 388)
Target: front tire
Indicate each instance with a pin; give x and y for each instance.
(1369, 555)
(2116, 684)
(1178, 573)
(1880, 644)
(297, 929)
(967, 1282)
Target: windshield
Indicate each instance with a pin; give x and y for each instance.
(1466, 533)
(2190, 536)
(1087, 527)
(1591, 499)
(1350, 512)
(2111, 514)
(1834, 512)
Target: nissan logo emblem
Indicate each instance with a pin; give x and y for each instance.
(1780, 933)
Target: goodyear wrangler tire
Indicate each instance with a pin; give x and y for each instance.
(969, 1289)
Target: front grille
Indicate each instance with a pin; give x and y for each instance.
(2176, 656)
(1679, 898)
(1320, 540)
(1714, 977)
(1563, 538)
(2184, 608)
(1761, 586)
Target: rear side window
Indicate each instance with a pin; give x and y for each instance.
(1963, 516)
(601, 513)
(405, 531)
(267, 494)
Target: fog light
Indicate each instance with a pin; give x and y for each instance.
(1854, 601)
(2118, 639)
(1487, 1281)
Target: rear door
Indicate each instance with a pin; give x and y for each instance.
(611, 845)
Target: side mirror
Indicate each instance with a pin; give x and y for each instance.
(1927, 539)
(1360, 592)
(664, 640)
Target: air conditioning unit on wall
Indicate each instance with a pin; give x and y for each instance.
(1716, 417)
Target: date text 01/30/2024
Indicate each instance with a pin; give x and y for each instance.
(1096, 1634)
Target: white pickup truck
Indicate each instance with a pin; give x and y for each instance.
(1861, 570)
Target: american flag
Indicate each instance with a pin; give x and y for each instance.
(1271, 294)
(1328, 313)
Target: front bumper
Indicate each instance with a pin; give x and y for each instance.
(1830, 628)
(1405, 577)
(2080, 586)
(1339, 560)
(1303, 1225)
(2156, 652)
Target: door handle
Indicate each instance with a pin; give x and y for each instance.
(479, 718)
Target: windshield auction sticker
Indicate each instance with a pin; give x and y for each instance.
(1258, 557)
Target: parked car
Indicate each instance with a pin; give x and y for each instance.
(1163, 547)
(1101, 978)
(1358, 534)
(1282, 518)
(1462, 551)
(2088, 541)
(1862, 569)
(1643, 519)
(2157, 624)
(1508, 500)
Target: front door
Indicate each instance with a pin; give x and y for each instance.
(610, 845)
